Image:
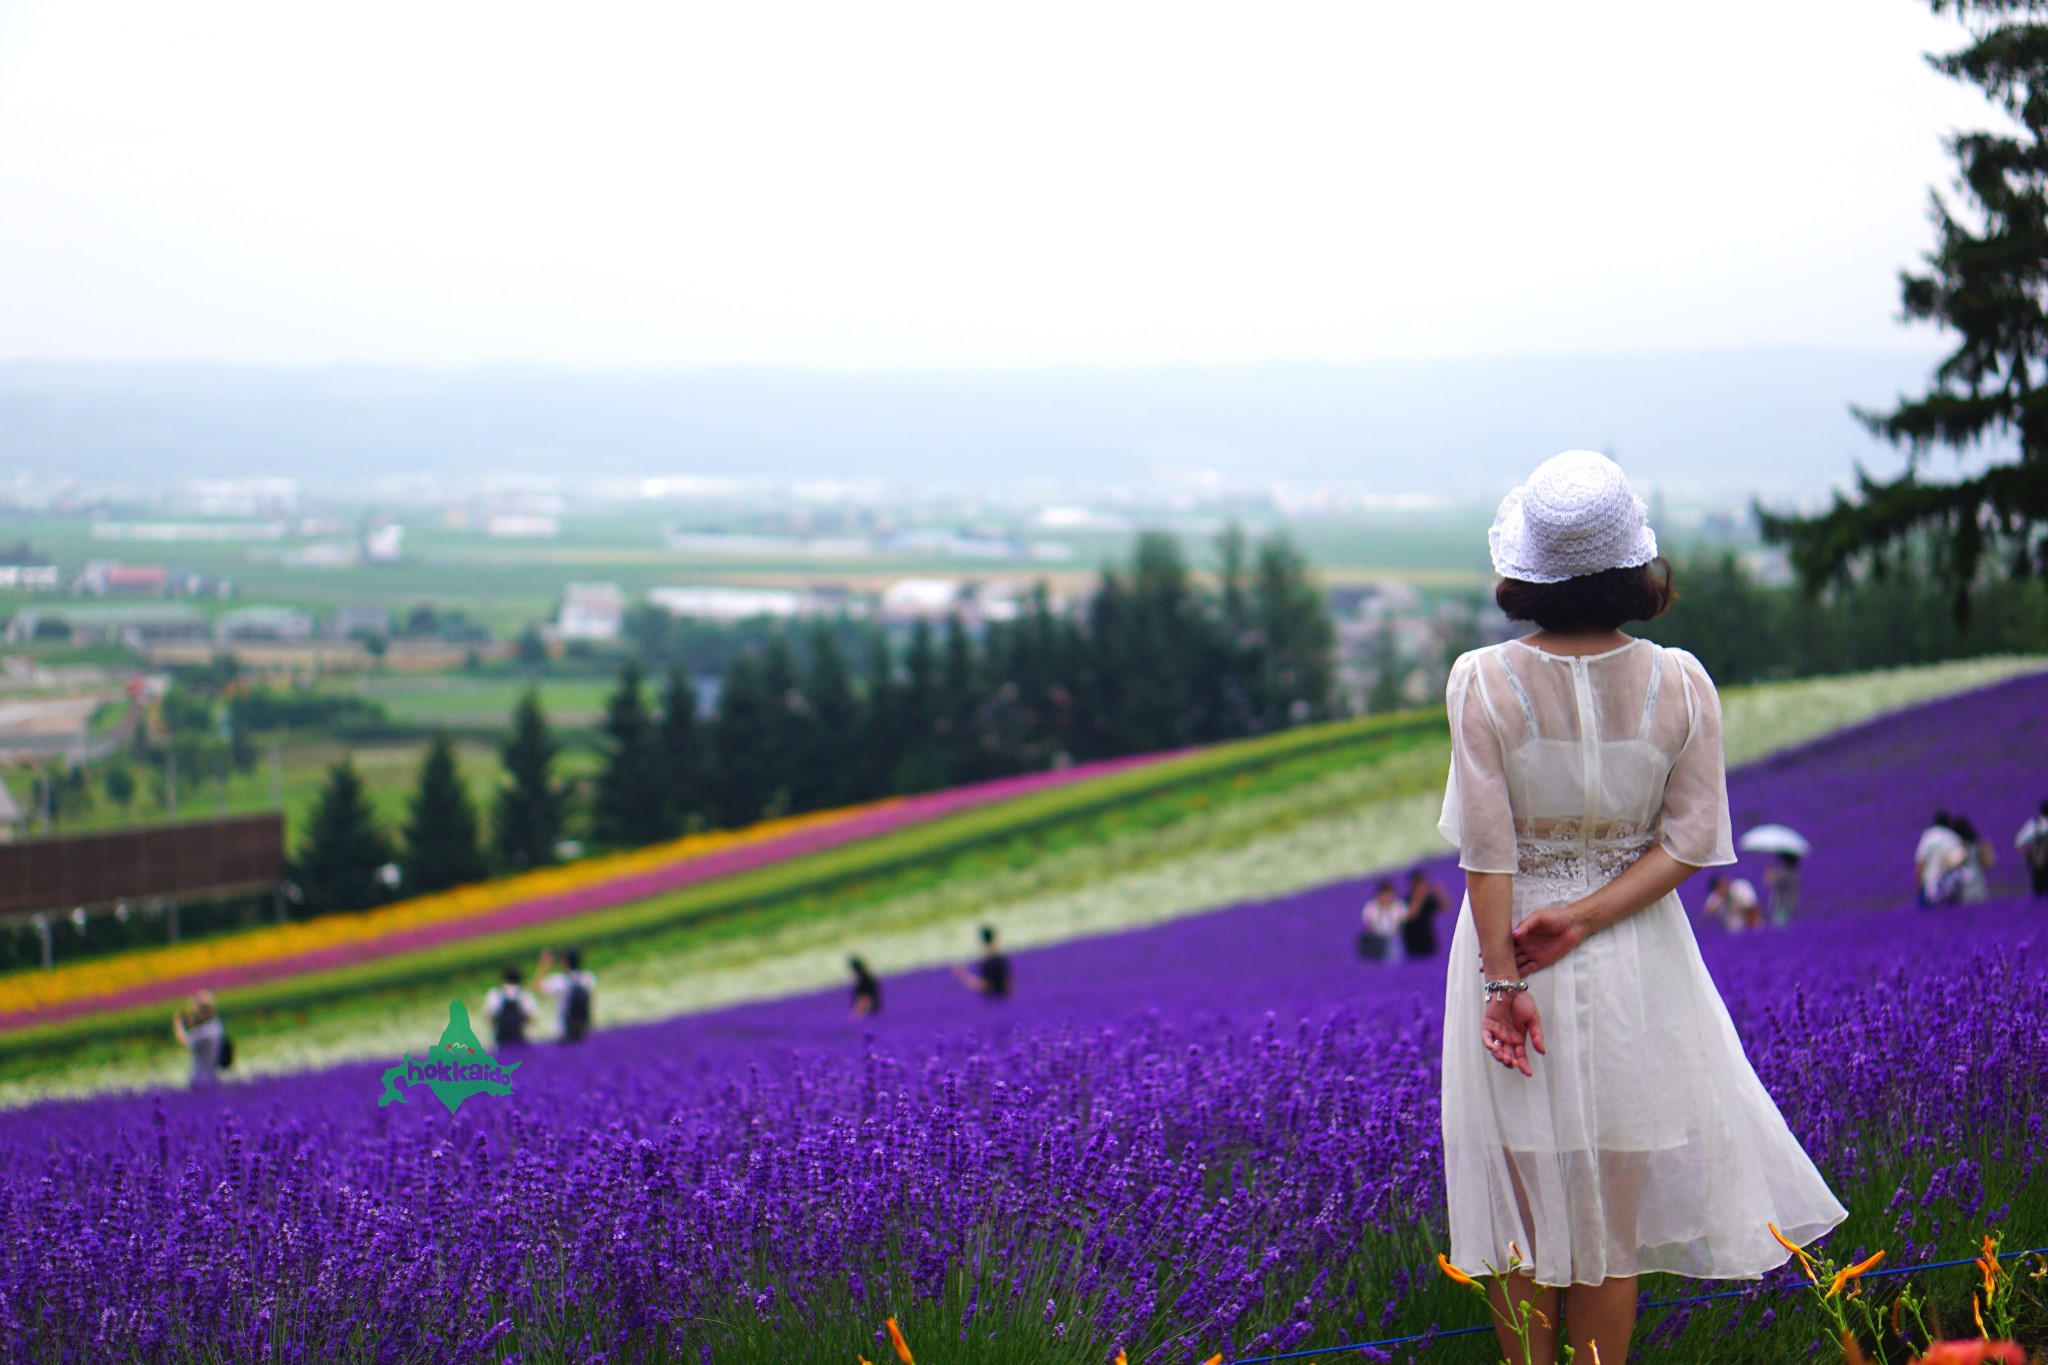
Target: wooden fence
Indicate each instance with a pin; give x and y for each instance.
(186, 860)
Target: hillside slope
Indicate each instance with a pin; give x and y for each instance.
(1333, 828)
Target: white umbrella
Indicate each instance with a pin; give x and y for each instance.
(1775, 839)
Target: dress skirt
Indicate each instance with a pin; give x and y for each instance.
(1644, 1141)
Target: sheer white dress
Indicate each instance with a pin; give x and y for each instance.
(1644, 1141)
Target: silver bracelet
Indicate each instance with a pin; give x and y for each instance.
(1496, 990)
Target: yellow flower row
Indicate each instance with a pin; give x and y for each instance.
(34, 989)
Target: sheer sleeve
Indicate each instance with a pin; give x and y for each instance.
(1476, 816)
(1694, 827)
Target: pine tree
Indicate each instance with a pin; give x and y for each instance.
(1237, 681)
(961, 697)
(1231, 596)
(340, 863)
(441, 826)
(630, 807)
(526, 821)
(1300, 642)
(787, 741)
(919, 765)
(1101, 676)
(1035, 729)
(1150, 638)
(881, 736)
(1985, 281)
(740, 742)
(686, 762)
(829, 776)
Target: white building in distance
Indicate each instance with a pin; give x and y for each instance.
(923, 599)
(591, 611)
(384, 544)
(719, 602)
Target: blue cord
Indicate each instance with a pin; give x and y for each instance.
(1661, 1303)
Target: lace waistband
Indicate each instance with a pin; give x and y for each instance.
(1571, 854)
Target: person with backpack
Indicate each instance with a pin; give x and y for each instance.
(574, 989)
(1379, 934)
(1969, 881)
(2032, 844)
(198, 1029)
(510, 1008)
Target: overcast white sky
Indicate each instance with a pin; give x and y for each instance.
(960, 184)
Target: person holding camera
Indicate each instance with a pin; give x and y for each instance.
(199, 1030)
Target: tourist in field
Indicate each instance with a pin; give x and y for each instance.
(199, 1030)
(1600, 1119)
(1955, 868)
(1379, 936)
(867, 991)
(1732, 900)
(1972, 874)
(1781, 889)
(990, 977)
(511, 1009)
(1939, 852)
(2032, 844)
(1425, 901)
(573, 990)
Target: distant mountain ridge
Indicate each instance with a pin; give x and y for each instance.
(1774, 421)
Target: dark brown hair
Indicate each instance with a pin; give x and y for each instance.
(1594, 601)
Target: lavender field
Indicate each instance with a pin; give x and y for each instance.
(1218, 1135)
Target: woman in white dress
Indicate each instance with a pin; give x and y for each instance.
(1600, 1118)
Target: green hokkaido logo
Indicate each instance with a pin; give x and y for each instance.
(456, 1067)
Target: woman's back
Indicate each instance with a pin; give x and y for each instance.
(1569, 767)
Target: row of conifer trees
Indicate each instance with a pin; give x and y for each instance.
(1157, 659)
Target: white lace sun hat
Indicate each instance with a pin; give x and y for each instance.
(1575, 516)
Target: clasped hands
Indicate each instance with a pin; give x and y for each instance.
(1544, 937)
(1512, 1025)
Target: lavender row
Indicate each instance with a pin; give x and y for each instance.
(1179, 1183)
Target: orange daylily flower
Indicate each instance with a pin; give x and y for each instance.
(902, 1347)
(1973, 1353)
(1852, 1353)
(1804, 1259)
(1848, 1273)
(1977, 1312)
(1443, 1263)
(1987, 1264)
(1121, 1359)
(1216, 1359)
